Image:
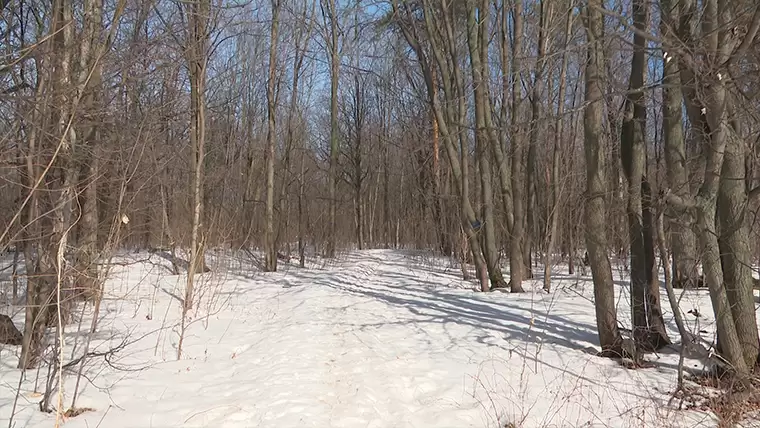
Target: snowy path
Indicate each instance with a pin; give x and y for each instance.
(382, 339)
(330, 353)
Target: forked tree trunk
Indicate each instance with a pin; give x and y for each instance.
(441, 50)
(477, 31)
(711, 123)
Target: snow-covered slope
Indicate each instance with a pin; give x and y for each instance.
(377, 339)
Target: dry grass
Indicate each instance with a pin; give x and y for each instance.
(76, 411)
(734, 402)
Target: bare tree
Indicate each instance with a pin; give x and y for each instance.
(477, 37)
(517, 264)
(553, 207)
(596, 179)
(270, 262)
(197, 44)
(648, 325)
(330, 12)
(682, 236)
(720, 197)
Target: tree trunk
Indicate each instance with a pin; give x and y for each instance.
(711, 124)
(734, 246)
(648, 326)
(596, 235)
(198, 16)
(536, 131)
(554, 187)
(672, 299)
(87, 281)
(301, 214)
(502, 162)
(334, 145)
(444, 238)
(270, 241)
(517, 238)
(387, 225)
(683, 240)
(477, 42)
(457, 113)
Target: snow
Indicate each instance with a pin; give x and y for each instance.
(378, 338)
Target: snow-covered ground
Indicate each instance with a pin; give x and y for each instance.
(376, 339)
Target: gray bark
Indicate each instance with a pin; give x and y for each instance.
(555, 186)
(332, 13)
(683, 240)
(270, 241)
(477, 30)
(197, 58)
(517, 238)
(596, 234)
(648, 325)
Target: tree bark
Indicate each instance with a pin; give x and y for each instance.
(683, 240)
(554, 186)
(536, 132)
(334, 143)
(596, 235)
(734, 246)
(517, 238)
(198, 19)
(477, 33)
(648, 325)
(710, 122)
(442, 50)
(270, 241)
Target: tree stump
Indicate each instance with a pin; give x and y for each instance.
(9, 334)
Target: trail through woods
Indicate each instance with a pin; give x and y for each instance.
(378, 339)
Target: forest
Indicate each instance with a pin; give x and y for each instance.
(521, 140)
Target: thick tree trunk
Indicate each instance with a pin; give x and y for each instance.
(31, 345)
(734, 246)
(87, 281)
(596, 234)
(711, 123)
(648, 326)
(683, 240)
